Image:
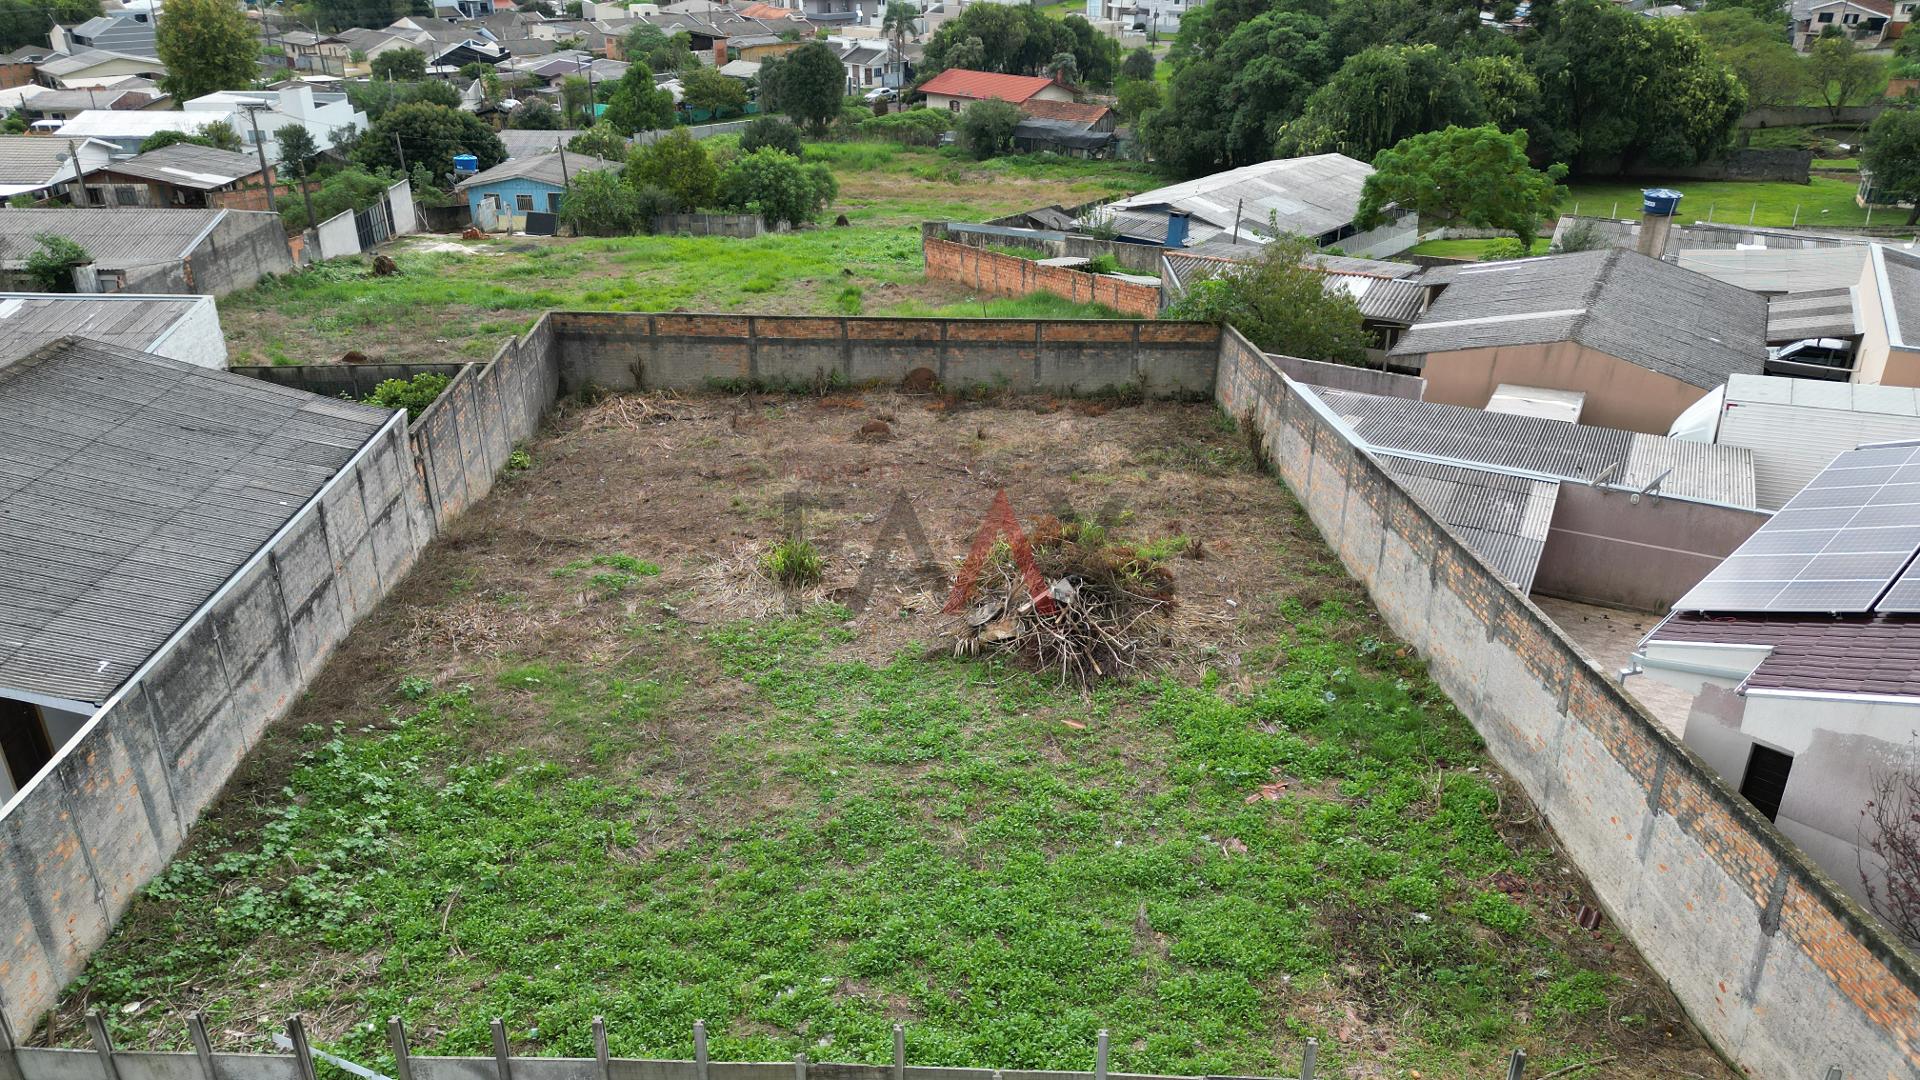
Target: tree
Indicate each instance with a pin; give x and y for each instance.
(777, 186)
(534, 115)
(775, 131)
(396, 65)
(1376, 99)
(351, 188)
(1841, 74)
(1758, 53)
(986, 127)
(600, 204)
(431, 136)
(901, 21)
(1134, 98)
(1508, 92)
(649, 46)
(1020, 40)
(207, 45)
(1473, 176)
(576, 99)
(1063, 68)
(637, 104)
(600, 141)
(1139, 64)
(297, 147)
(27, 22)
(1281, 304)
(1771, 12)
(218, 134)
(51, 265)
(678, 165)
(1889, 830)
(1241, 70)
(1892, 157)
(375, 98)
(806, 84)
(705, 88)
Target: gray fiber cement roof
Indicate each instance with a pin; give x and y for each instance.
(29, 321)
(114, 238)
(131, 489)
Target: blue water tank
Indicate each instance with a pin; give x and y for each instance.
(1177, 228)
(1659, 201)
(466, 164)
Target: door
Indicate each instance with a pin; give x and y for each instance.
(23, 740)
(553, 202)
(1765, 783)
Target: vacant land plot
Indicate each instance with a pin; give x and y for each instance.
(588, 761)
(1824, 201)
(885, 183)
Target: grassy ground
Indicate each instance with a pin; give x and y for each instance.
(1455, 249)
(586, 763)
(884, 183)
(1825, 201)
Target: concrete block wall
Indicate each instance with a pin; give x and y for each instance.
(1783, 973)
(93, 828)
(995, 274)
(627, 351)
(340, 380)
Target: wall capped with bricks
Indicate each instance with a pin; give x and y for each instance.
(1784, 974)
(995, 274)
(626, 351)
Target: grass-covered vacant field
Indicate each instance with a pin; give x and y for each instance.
(1824, 201)
(1462, 249)
(586, 762)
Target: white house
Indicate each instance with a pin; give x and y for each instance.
(326, 116)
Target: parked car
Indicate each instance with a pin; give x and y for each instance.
(882, 93)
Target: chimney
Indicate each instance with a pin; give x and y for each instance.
(1176, 228)
(1657, 207)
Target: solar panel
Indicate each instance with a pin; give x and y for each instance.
(1834, 547)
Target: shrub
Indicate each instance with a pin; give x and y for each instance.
(1580, 236)
(777, 186)
(51, 264)
(601, 204)
(772, 131)
(986, 127)
(1280, 305)
(909, 127)
(413, 395)
(352, 188)
(794, 561)
(677, 164)
(1504, 248)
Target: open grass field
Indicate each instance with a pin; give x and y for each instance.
(1825, 201)
(885, 183)
(588, 761)
(1459, 249)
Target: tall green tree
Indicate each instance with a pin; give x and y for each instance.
(1020, 40)
(332, 15)
(534, 115)
(637, 104)
(399, 64)
(1463, 176)
(774, 184)
(1892, 157)
(1139, 64)
(1281, 304)
(1378, 98)
(677, 164)
(705, 88)
(430, 135)
(986, 127)
(1758, 53)
(808, 84)
(1242, 69)
(27, 22)
(207, 45)
(1841, 74)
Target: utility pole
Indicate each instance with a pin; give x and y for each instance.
(401, 150)
(566, 182)
(79, 178)
(252, 109)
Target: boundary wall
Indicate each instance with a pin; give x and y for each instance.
(1781, 971)
(81, 839)
(1009, 275)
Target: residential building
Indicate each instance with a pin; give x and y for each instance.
(1803, 653)
(93, 67)
(370, 44)
(185, 175)
(1315, 196)
(127, 129)
(45, 168)
(189, 473)
(17, 67)
(956, 88)
(1863, 22)
(522, 144)
(1641, 338)
(184, 328)
(258, 114)
(1796, 427)
(463, 9)
(505, 194)
(125, 31)
(866, 64)
(1151, 17)
(323, 53)
(51, 108)
(152, 251)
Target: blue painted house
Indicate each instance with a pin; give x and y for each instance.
(503, 196)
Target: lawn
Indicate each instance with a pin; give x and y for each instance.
(587, 762)
(1825, 201)
(885, 183)
(1453, 249)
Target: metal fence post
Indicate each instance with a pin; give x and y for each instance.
(9, 1065)
(1100, 1055)
(899, 1052)
(502, 1061)
(600, 1053)
(102, 1044)
(202, 1046)
(1309, 1058)
(799, 1067)
(1833, 1073)
(700, 1049)
(302, 1053)
(1517, 1065)
(397, 1042)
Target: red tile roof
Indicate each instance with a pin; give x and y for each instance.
(961, 83)
(767, 11)
(1079, 113)
(1860, 654)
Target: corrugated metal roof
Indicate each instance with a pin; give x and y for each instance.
(1777, 269)
(1503, 519)
(1574, 452)
(133, 487)
(1306, 195)
(33, 159)
(1649, 313)
(540, 168)
(520, 143)
(30, 321)
(187, 165)
(1825, 313)
(1382, 299)
(113, 238)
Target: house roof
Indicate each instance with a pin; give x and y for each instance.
(1650, 313)
(521, 143)
(186, 165)
(133, 488)
(307, 38)
(1380, 297)
(1306, 195)
(1077, 112)
(30, 321)
(1820, 313)
(1851, 654)
(73, 63)
(34, 159)
(539, 168)
(1503, 519)
(115, 239)
(84, 98)
(963, 83)
(132, 123)
(758, 10)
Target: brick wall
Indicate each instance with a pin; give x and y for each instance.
(1784, 973)
(995, 274)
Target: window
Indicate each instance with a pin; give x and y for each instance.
(523, 204)
(953, 106)
(1825, 17)
(1850, 18)
(553, 202)
(125, 195)
(1766, 780)
(23, 740)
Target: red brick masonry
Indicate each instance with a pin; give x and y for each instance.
(1006, 275)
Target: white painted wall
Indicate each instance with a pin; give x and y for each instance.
(405, 220)
(338, 236)
(196, 338)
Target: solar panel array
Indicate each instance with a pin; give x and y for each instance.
(1835, 547)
